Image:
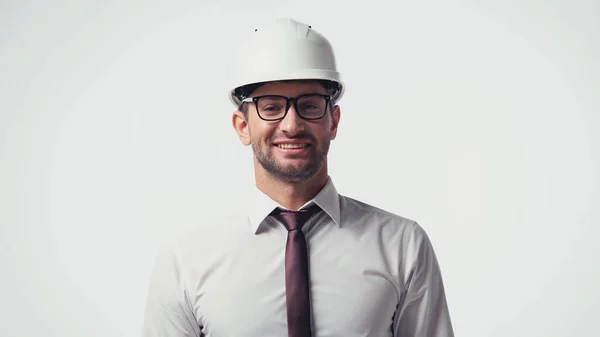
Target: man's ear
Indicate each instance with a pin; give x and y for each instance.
(335, 120)
(241, 127)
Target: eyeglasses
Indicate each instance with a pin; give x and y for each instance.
(275, 107)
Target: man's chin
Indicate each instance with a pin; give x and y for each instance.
(292, 178)
(294, 173)
(289, 169)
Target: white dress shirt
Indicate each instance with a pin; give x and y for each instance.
(372, 274)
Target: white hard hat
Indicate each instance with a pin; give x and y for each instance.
(284, 49)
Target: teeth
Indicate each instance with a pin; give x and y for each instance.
(291, 146)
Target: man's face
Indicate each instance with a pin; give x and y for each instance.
(292, 149)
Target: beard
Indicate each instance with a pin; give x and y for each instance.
(264, 154)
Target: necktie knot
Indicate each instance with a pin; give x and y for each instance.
(294, 220)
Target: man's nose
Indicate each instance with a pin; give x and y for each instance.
(292, 123)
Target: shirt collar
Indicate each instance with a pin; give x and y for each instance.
(262, 205)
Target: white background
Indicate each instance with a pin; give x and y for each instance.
(478, 120)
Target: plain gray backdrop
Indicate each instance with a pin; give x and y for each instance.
(478, 119)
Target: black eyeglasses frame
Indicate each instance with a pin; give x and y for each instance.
(288, 104)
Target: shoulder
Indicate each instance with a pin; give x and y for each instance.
(389, 225)
(401, 240)
(359, 212)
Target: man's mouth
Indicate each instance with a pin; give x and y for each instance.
(292, 146)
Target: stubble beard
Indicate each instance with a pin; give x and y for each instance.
(264, 154)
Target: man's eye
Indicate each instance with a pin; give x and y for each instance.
(271, 108)
(309, 107)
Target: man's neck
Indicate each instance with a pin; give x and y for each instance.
(291, 195)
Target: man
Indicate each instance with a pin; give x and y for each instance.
(299, 259)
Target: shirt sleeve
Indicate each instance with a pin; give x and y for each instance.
(168, 311)
(422, 311)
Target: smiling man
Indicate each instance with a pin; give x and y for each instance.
(290, 149)
(299, 259)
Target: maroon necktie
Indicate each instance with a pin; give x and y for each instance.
(297, 280)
